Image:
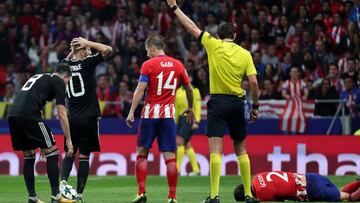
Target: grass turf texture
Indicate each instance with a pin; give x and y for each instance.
(113, 189)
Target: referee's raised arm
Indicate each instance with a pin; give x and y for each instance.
(190, 26)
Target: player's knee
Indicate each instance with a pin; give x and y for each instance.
(52, 150)
(29, 153)
(142, 151)
(84, 155)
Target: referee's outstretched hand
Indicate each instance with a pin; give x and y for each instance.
(130, 120)
(253, 115)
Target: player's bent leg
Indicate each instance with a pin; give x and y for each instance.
(351, 187)
(66, 167)
(141, 174)
(192, 158)
(245, 169)
(180, 151)
(52, 168)
(171, 174)
(28, 171)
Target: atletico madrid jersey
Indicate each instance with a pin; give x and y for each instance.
(278, 186)
(163, 75)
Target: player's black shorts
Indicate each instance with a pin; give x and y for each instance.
(85, 135)
(184, 128)
(226, 110)
(29, 134)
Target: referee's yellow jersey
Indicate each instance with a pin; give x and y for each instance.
(181, 103)
(228, 63)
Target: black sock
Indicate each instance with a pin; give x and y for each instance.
(29, 174)
(83, 174)
(52, 167)
(66, 167)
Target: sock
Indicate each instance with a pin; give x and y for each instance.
(192, 157)
(355, 196)
(82, 174)
(141, 172)
(52, 168)
(215, 170)
(28, 170)
(66, 167)
(244, 164)
(351, 187)
(172, 175)
(179, 156)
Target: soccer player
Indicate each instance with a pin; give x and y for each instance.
(281, 186)
(29, 132)
(228, 65)
(160, 75)
(84, 111)
(185, 129)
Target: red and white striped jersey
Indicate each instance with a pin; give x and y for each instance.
(164, 75)
(294, 88)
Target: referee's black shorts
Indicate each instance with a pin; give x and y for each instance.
(225, 110)
(29, 134)
(184, 129)
(85, 135)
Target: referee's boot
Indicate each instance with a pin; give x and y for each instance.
(249, 199)
(35, 200)
(216, 199)
(140, 198)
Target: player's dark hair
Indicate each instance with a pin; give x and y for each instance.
(226, 30)
(63, 69)
(239, 193)
(156, 41)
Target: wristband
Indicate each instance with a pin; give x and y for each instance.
(173, 8)
(255, 106)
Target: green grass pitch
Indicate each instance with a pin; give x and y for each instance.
(113, 189)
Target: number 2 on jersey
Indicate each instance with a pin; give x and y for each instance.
(282, 176)
(168, 82)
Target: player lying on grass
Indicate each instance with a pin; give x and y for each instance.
(281, 186)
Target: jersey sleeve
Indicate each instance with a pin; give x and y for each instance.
(60, 89)
(94, 59)
(145, 69)
(209, 42)
(197, 104)
(250, 68)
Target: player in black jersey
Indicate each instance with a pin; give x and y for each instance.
(29, 132)
(84, 108)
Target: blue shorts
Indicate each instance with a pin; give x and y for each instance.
(319, 188)
(164, 129)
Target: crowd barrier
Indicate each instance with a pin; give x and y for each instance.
(331, 155)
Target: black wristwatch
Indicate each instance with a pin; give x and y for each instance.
(173, 8)
(255, 106)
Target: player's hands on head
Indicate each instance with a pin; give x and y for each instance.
(189, 113)
(130, 120)
(79, 43)
(171, 3)
(253, 115)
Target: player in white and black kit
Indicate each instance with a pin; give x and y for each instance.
(84, 111)
(29, 132)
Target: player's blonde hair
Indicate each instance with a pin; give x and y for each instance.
(155, 40)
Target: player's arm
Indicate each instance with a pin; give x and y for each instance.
(138, 95)
(105, 50)
(64, 122)
(190, 98)
(189, 25)
(306, 92)
(70, 55)
(254, 87)
(197, 108)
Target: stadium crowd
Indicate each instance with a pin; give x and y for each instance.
(313, 41)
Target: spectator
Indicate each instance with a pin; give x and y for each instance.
(202, 82)
(123, 100)
(269, 92)
(323, 57)
(104, 93)
(352, 96)
(256, 44)
(313, 71)
(260, 67)
(9, 95)
(335, 79)
(351, 69)
(295, 87)
(269, 57)
(211, 26)
(327, 92)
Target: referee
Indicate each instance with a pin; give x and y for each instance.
(228, 65)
